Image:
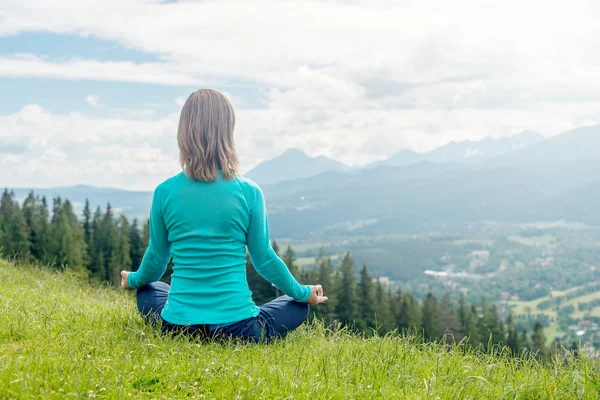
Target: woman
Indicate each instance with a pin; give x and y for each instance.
(204, 218)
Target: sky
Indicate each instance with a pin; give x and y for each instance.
(91, 89)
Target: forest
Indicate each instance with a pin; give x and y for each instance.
(102, 244)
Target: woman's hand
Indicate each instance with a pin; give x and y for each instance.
(316, 295)
(124, 284)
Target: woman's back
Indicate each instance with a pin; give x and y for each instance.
(205, 227)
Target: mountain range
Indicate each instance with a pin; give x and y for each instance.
(294, 164)
(524, 178)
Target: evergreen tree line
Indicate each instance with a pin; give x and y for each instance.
(98, 247)
(370, 306)
(103, 244)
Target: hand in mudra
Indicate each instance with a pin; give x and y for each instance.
(316, 295)
(124, 283)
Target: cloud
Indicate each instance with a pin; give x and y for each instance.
(30, 65)
(135, 151)
(351, 80)
(93, 101)
(76, 148)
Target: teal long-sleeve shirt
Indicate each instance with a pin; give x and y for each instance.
(206, 228)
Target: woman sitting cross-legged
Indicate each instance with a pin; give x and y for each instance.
(204, 218)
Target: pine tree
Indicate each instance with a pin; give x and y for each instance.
(41, 229)
(512, 336)
(385, 321)
(108, 240)
(146, 234)
(67, 245)
(96, 257)
(494, 324)
(462, 312)
(56, 205)
(395, 307)
(346, 306)
(409, 317)
(574, 348)
(483, 330)
(35, 212)
(538, 345)
(137, 249)
(58, 246)
(87, 222)
(29, 213)
(470, 326)
(524, 341)
(450, 326)
(324, 270)
(78, 248)
(13, 226)
(262, 290)
(1, 235)
(289, 258)
(101, 264)
(430, 321)
(122, 256)
(365, 296)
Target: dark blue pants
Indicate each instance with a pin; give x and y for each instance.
(275, 319)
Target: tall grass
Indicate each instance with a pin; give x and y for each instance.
(62, 338)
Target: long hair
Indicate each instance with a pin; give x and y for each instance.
(205, 137)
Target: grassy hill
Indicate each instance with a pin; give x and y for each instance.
(61, 338)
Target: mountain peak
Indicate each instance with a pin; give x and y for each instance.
(293, 164)
(467, 150)
(293, 152)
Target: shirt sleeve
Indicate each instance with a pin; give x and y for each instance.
(158, 253)
(263, 257)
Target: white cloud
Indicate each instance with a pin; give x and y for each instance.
(351, 80)
(93, 101)
(43, 149)
(76, 148)
(27, 65)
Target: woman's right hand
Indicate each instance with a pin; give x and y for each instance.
(124, 283)
(316, 295)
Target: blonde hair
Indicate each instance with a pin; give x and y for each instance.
(205, 137)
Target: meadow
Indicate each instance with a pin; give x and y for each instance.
(62, 338)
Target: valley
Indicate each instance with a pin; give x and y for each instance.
(522, 267)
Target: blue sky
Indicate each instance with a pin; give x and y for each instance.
(64, 95)
(91, 90)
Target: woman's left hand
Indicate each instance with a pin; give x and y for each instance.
(124, 283)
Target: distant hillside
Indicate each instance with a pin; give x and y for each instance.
(575, 145)
(464, 152)
(430, 197)
(293, 164)
(130, 203)
(548, 180)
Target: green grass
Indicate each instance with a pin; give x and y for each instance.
(61, 338)
(556, 224)
(535, 241)
(552, 332)
(519, 307)
(477, 242)
(304, 262)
